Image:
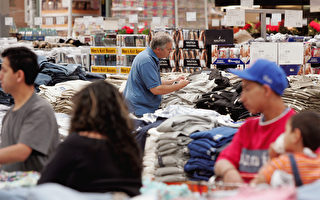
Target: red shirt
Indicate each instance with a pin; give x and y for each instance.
(248, 150)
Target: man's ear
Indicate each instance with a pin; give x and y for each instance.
(268, 90)
(20, 76)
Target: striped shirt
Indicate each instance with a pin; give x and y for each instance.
(309, 168)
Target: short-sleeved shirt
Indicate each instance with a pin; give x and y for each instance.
(248, 151)
(35, 125)
(308, 167)
(144, 75)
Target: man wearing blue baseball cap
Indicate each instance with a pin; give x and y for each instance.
(262, 86)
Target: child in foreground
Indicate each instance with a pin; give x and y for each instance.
(300, 164)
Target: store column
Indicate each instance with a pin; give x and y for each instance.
(4, 12)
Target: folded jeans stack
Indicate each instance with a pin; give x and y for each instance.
(204, 149)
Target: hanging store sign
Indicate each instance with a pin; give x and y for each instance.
(49, 21)
(246, 4)
(103, 50)
(131, 51)
(215, 22)
(125, 70)
(224, 36)
(235, 17)
(191, 16)
(38, 21)
(314, 6)
(60, 20)
(133, 19)
(105, 70)
(293, 18)
(275, 19)
(8, 21)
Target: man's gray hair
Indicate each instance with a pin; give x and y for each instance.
(160, 40)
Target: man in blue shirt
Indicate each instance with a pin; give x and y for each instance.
(144, 86)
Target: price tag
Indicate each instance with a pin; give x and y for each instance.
(215, 22)
(293, 18)
(60, 20)
(49, 21)
(103, 50)
(8, 21)
(38, 21)
(246, 3)
(131, 51)
(125, 70)
(314, 6)
(105, 70)
(235, 17)
(191, 16)
(133, 19)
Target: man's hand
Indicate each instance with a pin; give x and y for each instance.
(183, 83)
(179, 78)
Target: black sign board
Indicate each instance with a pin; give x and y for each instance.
(191, 63)
(191, 44)
(164, 63)
(224, 36)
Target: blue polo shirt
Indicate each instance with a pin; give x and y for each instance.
(144, 75)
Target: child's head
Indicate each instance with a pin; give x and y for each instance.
(302, 130)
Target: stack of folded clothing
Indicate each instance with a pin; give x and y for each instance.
(50, 73)
(224, 101)
(199, 84)
(303, 93)
(204, 149)
(172, 156)
(59, 96)
(171, 145)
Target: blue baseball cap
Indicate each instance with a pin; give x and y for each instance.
(265, 72)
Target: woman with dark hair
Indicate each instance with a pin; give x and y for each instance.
(100, 154)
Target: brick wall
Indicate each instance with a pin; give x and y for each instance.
(16, 10)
